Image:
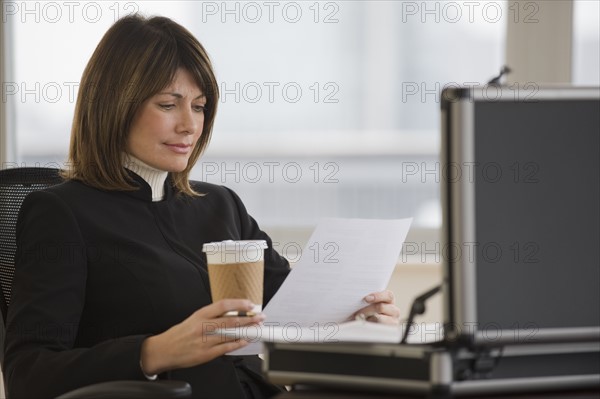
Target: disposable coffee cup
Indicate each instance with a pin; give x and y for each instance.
(236, 270)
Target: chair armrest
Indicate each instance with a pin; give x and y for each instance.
(132, 390)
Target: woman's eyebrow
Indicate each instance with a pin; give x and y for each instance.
(178, 95)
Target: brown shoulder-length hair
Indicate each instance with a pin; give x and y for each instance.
(137, 58)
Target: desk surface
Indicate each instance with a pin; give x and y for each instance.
(336, 394)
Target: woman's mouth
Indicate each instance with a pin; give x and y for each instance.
(179, 148)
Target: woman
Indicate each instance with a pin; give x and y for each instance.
(110, 281)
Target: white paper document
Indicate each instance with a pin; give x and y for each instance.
(343, 261)
(350, 331)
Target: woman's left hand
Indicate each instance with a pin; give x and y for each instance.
(381, 308)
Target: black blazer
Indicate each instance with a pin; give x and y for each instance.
(99, 271)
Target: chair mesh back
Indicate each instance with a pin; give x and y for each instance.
(15, 184)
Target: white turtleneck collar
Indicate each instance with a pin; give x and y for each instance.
(154, 177)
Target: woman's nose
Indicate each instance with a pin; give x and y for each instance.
(188, 123)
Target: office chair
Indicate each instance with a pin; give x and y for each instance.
(15, 184)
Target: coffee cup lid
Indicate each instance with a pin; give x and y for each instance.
(231, 245)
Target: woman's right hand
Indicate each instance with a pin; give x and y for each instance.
(190, 342)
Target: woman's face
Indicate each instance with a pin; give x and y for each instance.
(166, 128)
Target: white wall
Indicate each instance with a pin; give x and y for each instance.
(2, 107)
(539, 41)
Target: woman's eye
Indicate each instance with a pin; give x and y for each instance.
(167, 106)
(199, 108)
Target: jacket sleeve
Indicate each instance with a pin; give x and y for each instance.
(276, 266)
(48, 295)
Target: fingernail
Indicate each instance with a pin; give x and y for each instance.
(370, 298)
(250, 306)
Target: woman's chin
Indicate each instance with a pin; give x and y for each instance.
(174, 167)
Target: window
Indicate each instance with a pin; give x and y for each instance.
(586, 42)
(329, 108)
